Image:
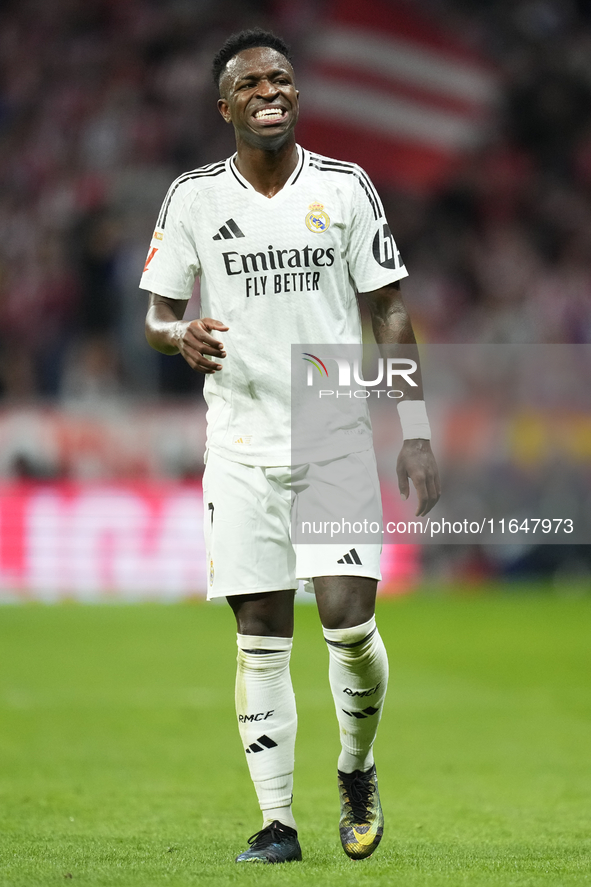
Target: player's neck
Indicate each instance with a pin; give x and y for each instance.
(267, 171)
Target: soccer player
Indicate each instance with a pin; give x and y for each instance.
(282, 239)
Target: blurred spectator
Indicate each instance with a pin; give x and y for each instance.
(93, 371)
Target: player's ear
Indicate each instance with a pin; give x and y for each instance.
(224, 110)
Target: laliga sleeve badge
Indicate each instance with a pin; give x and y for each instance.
(317, 220)
(151, 255)
(211, 574)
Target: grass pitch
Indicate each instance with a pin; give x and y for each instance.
(120, 762)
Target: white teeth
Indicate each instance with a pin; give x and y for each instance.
(269, 112)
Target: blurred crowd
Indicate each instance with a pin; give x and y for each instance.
(104, 102)
(503, 254)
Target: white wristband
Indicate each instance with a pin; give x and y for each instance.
(413, 418)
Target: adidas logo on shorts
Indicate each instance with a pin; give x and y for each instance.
(350, 558)
(228, 231)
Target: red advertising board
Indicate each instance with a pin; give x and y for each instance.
(120, 540)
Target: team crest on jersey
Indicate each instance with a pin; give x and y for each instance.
(211, 574)
(317, 220)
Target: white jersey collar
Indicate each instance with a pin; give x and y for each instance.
(291, 180)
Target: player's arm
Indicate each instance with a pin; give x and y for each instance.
(167, 332)
(392, 326)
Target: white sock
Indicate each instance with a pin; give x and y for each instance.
(358, 673)
(267, 721)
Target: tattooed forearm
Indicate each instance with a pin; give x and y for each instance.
(389, 317)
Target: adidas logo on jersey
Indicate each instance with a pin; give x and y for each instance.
(228, 231)
(350, 558)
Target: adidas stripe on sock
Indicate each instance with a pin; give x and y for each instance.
(358, 674)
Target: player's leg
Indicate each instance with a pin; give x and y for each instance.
(252, 564)
(345, 493)
(267, 721)
(358, 673)
(358, 668)
(265, 703)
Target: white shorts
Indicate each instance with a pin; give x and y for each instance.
(248, 516)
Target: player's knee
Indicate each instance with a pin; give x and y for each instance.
(345, 601)
(265, 615)
(265, 628)
(336, 621)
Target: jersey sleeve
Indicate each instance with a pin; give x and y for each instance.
(172, 262)
(373, 257)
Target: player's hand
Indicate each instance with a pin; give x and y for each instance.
(416, 461)
(194, 341)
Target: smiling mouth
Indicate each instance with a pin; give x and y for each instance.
(270, 114)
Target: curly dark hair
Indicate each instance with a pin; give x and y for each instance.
(246, 40)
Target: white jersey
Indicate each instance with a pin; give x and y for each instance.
(277, 271)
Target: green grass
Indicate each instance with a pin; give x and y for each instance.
(120, 762)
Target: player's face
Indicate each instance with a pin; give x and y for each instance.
(258, 96)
